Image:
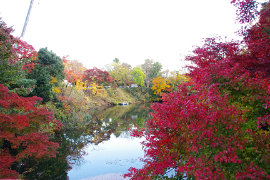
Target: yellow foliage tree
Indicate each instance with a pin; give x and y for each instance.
(160, 85)
(175, 79)
(54, 84)
(80, 85)
(96, 89)
(54, 80)
(56, 89)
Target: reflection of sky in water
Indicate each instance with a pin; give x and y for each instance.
(109, 157)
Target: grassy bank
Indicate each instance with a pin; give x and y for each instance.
(114, 96)
(74, 105)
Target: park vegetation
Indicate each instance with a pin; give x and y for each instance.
(42, 94)
(211, 123)
(216, 125)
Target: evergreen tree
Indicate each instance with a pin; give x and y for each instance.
(49, 66)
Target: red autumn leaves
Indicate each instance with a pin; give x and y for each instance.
(216, 126)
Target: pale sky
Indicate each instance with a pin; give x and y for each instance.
(95, 32)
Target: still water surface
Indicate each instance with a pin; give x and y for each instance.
(111, 151)
(110, 158)
(116, 154)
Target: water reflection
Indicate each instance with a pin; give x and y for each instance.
(110, 157)
(115, 156)
(102, 146)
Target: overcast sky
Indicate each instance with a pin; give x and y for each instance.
(95, 32)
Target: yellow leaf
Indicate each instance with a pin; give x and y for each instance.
(56, 90)
(54, 80)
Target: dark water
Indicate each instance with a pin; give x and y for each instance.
(101, 149)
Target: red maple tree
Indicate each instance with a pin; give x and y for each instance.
(97, 75)
(16, 50)
(24, 130)
(216, 126)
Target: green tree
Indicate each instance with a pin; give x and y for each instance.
(138, 76)
(116, 60)
(49, 66)
(51, 62)
(151, 70)
(120, 72)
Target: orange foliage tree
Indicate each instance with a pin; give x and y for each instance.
(73, 70)
(160, 85)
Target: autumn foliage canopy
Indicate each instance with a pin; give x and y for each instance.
(73, 70)
(25, 127)
(216, 126)
(96, 75)
(25, 130)
(16, 56)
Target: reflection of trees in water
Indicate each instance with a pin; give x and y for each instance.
(72, 144)
(103, 123)
(125, 117)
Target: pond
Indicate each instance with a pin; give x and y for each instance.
(109, 159)
(101, 149)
